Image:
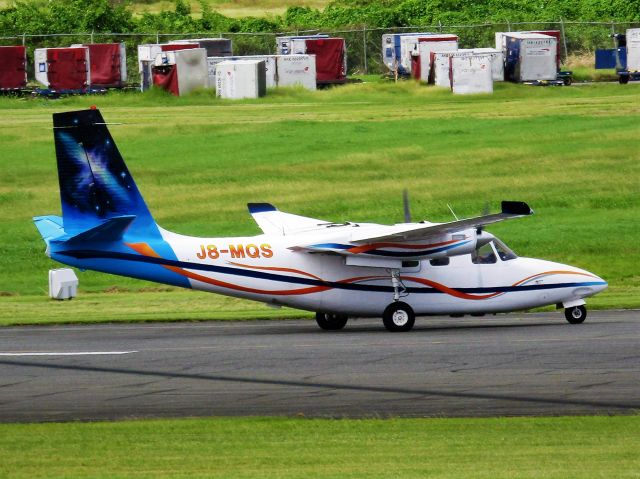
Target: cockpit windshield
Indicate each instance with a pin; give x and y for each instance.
(503, 250)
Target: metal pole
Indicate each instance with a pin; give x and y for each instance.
(508, 26)
(24, 39)
(364, 48)
(157, 37)
(564, 38)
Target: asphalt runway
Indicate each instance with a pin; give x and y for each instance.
(517, 364)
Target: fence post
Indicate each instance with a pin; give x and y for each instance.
(439, 26)
(91, 36)
(508, 26)
(564, 38)
(157, 37)
(24, 39)
(364, 48)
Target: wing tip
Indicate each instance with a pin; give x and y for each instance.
(260, 207)
(516, 208)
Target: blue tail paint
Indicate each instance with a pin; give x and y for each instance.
(95, 184)
(102, 208)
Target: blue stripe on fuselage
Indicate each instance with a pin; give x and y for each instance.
(128, 257)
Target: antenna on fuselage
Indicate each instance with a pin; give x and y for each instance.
(452, 212)
(405, 204)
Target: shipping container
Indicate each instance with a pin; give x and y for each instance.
(63, 69)
(147, 56)
(633, 49)
(392, 52)
(13, 67)
(215, 47)
(441, 66)
(530, 57)
(471, 74)
(330, 55)
(241, 79)
(181, 71)
(108, 64)
(296, 70)
(269, 62)
(421, 61)
(497, 61)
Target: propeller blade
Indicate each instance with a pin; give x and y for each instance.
(405, 203)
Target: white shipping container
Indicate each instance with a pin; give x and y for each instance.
(530, 56)
(442, 66)
(296, 70)
(63, 283)
(240, 79)
(425, 48)
(497, 61)
(471, 74)
(633, 49)
(40, 59)
(191, 67)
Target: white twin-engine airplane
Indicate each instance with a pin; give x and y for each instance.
(334, 269)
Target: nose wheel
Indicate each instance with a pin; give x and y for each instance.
(576, 314)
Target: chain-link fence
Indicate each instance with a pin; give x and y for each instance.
(364, 45)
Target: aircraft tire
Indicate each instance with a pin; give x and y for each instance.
(576, 315)
(398, 317)
(330, 321)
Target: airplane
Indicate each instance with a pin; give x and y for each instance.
(337, 270)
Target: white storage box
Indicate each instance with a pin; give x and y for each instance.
(633, 49)
(296, 70)
(240, 79)
(471, 74)
(530, 57)
(63, 283)
(441, 67)
(191, 69)
(497, 62)
(434, 43)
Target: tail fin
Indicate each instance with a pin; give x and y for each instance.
(95, 184)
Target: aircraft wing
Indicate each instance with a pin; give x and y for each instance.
(274, 222)
(510, 210)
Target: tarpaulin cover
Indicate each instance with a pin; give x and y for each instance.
(166, 77)
(12, 67)
(415, 66)
(105, 64)
(329, 54)
(67, 68)
(170, 47)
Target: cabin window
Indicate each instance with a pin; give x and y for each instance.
(410, 266)
(503, 250)
(484, 255)
(439, 262)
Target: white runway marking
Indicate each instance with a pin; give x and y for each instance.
(79, 353)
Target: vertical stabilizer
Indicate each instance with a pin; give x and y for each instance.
(95, 184)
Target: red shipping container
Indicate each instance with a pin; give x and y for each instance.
(329, 54)
(67, 68)
(13, 73)
(106, 68)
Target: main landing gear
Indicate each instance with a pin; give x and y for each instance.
(398, 316)
(576, 314)
(330, 321)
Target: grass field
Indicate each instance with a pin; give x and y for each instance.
(576, 447)
(341, 154)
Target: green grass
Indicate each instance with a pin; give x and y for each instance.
(346, 154)
(563, 447)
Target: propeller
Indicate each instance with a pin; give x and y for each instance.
(405, 204)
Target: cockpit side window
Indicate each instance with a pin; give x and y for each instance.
(503, 250)
(484, 255)
(439, 261)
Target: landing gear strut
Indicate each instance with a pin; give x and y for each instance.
(576, 314)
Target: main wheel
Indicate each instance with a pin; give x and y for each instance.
(398, 317)
(576, 315)
(331, 322)
(623, 79)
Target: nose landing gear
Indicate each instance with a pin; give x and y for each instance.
(398, 316)
(576, 314)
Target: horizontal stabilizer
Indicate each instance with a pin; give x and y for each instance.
(110, 230)
(274, 222)
(49, 227)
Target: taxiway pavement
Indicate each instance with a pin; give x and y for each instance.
(517, 364)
